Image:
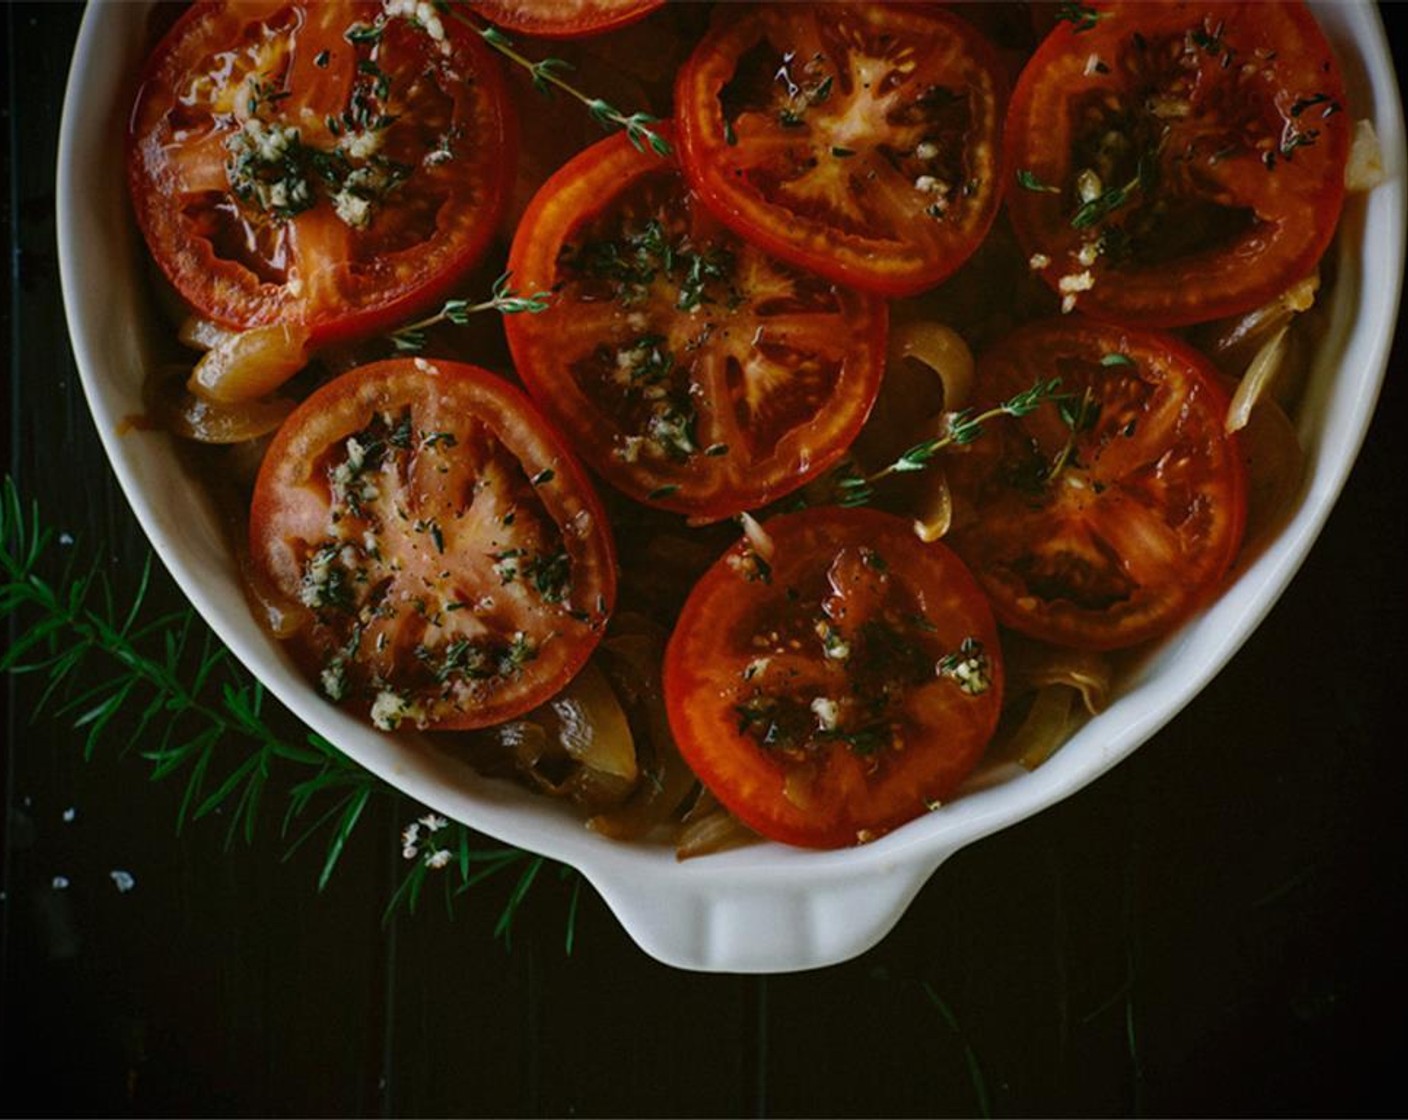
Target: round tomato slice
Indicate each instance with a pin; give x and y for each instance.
(839, 687)
(453, 565)
(564, 19)
(1176, 163)
(860, 141)
(321, 164)
(690, 369)
(1105, 516)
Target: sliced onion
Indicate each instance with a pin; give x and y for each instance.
(632, 656)
(1036, 665)
(708, 828)
(934, 512)
(201, 334)
(1232, 343)
(1045, 728)
(592, 726)
(1365, 168)
(1275, 469)
(177, 410)
(942, 350)
(251, 364)
(1257, 382)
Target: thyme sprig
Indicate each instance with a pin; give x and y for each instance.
(196, 709)
(1079, 416)
(410, 339)
(963, 427)
(547, 75)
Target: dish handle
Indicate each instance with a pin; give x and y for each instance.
(713, 921)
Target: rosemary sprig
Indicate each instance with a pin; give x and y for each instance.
(963, 427)
(194, 706)
(547, 75)
(410, 339)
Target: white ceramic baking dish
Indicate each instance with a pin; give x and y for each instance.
(766, 907)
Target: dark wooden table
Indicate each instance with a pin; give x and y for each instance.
(1215, 927)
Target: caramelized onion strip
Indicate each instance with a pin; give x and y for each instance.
(632, 658)
(708, 828)
(249, 365)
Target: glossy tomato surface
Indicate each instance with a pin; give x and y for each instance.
(1103, 519)
(861, 141)
(1170, 164)
(321, 164)
(840, 686)
(689, 368)
(446, 562)
(564, 19)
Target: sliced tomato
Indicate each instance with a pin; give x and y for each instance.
(453, 564)
(860, 141)
(689, 368)
(564, 19)
(1175, 163)
(322, 164)
(839, 687)
(1103, 518)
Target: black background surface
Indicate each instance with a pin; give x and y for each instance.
(1215, 927)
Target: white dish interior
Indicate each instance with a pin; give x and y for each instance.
(763, 908)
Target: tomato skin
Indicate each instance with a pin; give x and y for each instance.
(778, 368)
(456, 556)
(1141, 521)
(564, 19)
(884, 239)
(368, 225)
(1230, 148)
(849, 625)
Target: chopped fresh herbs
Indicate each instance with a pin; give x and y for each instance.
(1082, 16)
(969, 667)
(1027, 181)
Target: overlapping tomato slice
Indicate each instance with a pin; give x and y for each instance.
(689, 368)
(1175, 163)
(321, 164)
(1102, 519)
(861, 141)
(444, 561)
(839, 686)
(563, 19)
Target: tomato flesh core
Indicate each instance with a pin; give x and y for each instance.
(839, 689)
(317, 163)
(861, 142)
(691, 370)
(454, 568)
(1178, 165)
(1102, 520)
